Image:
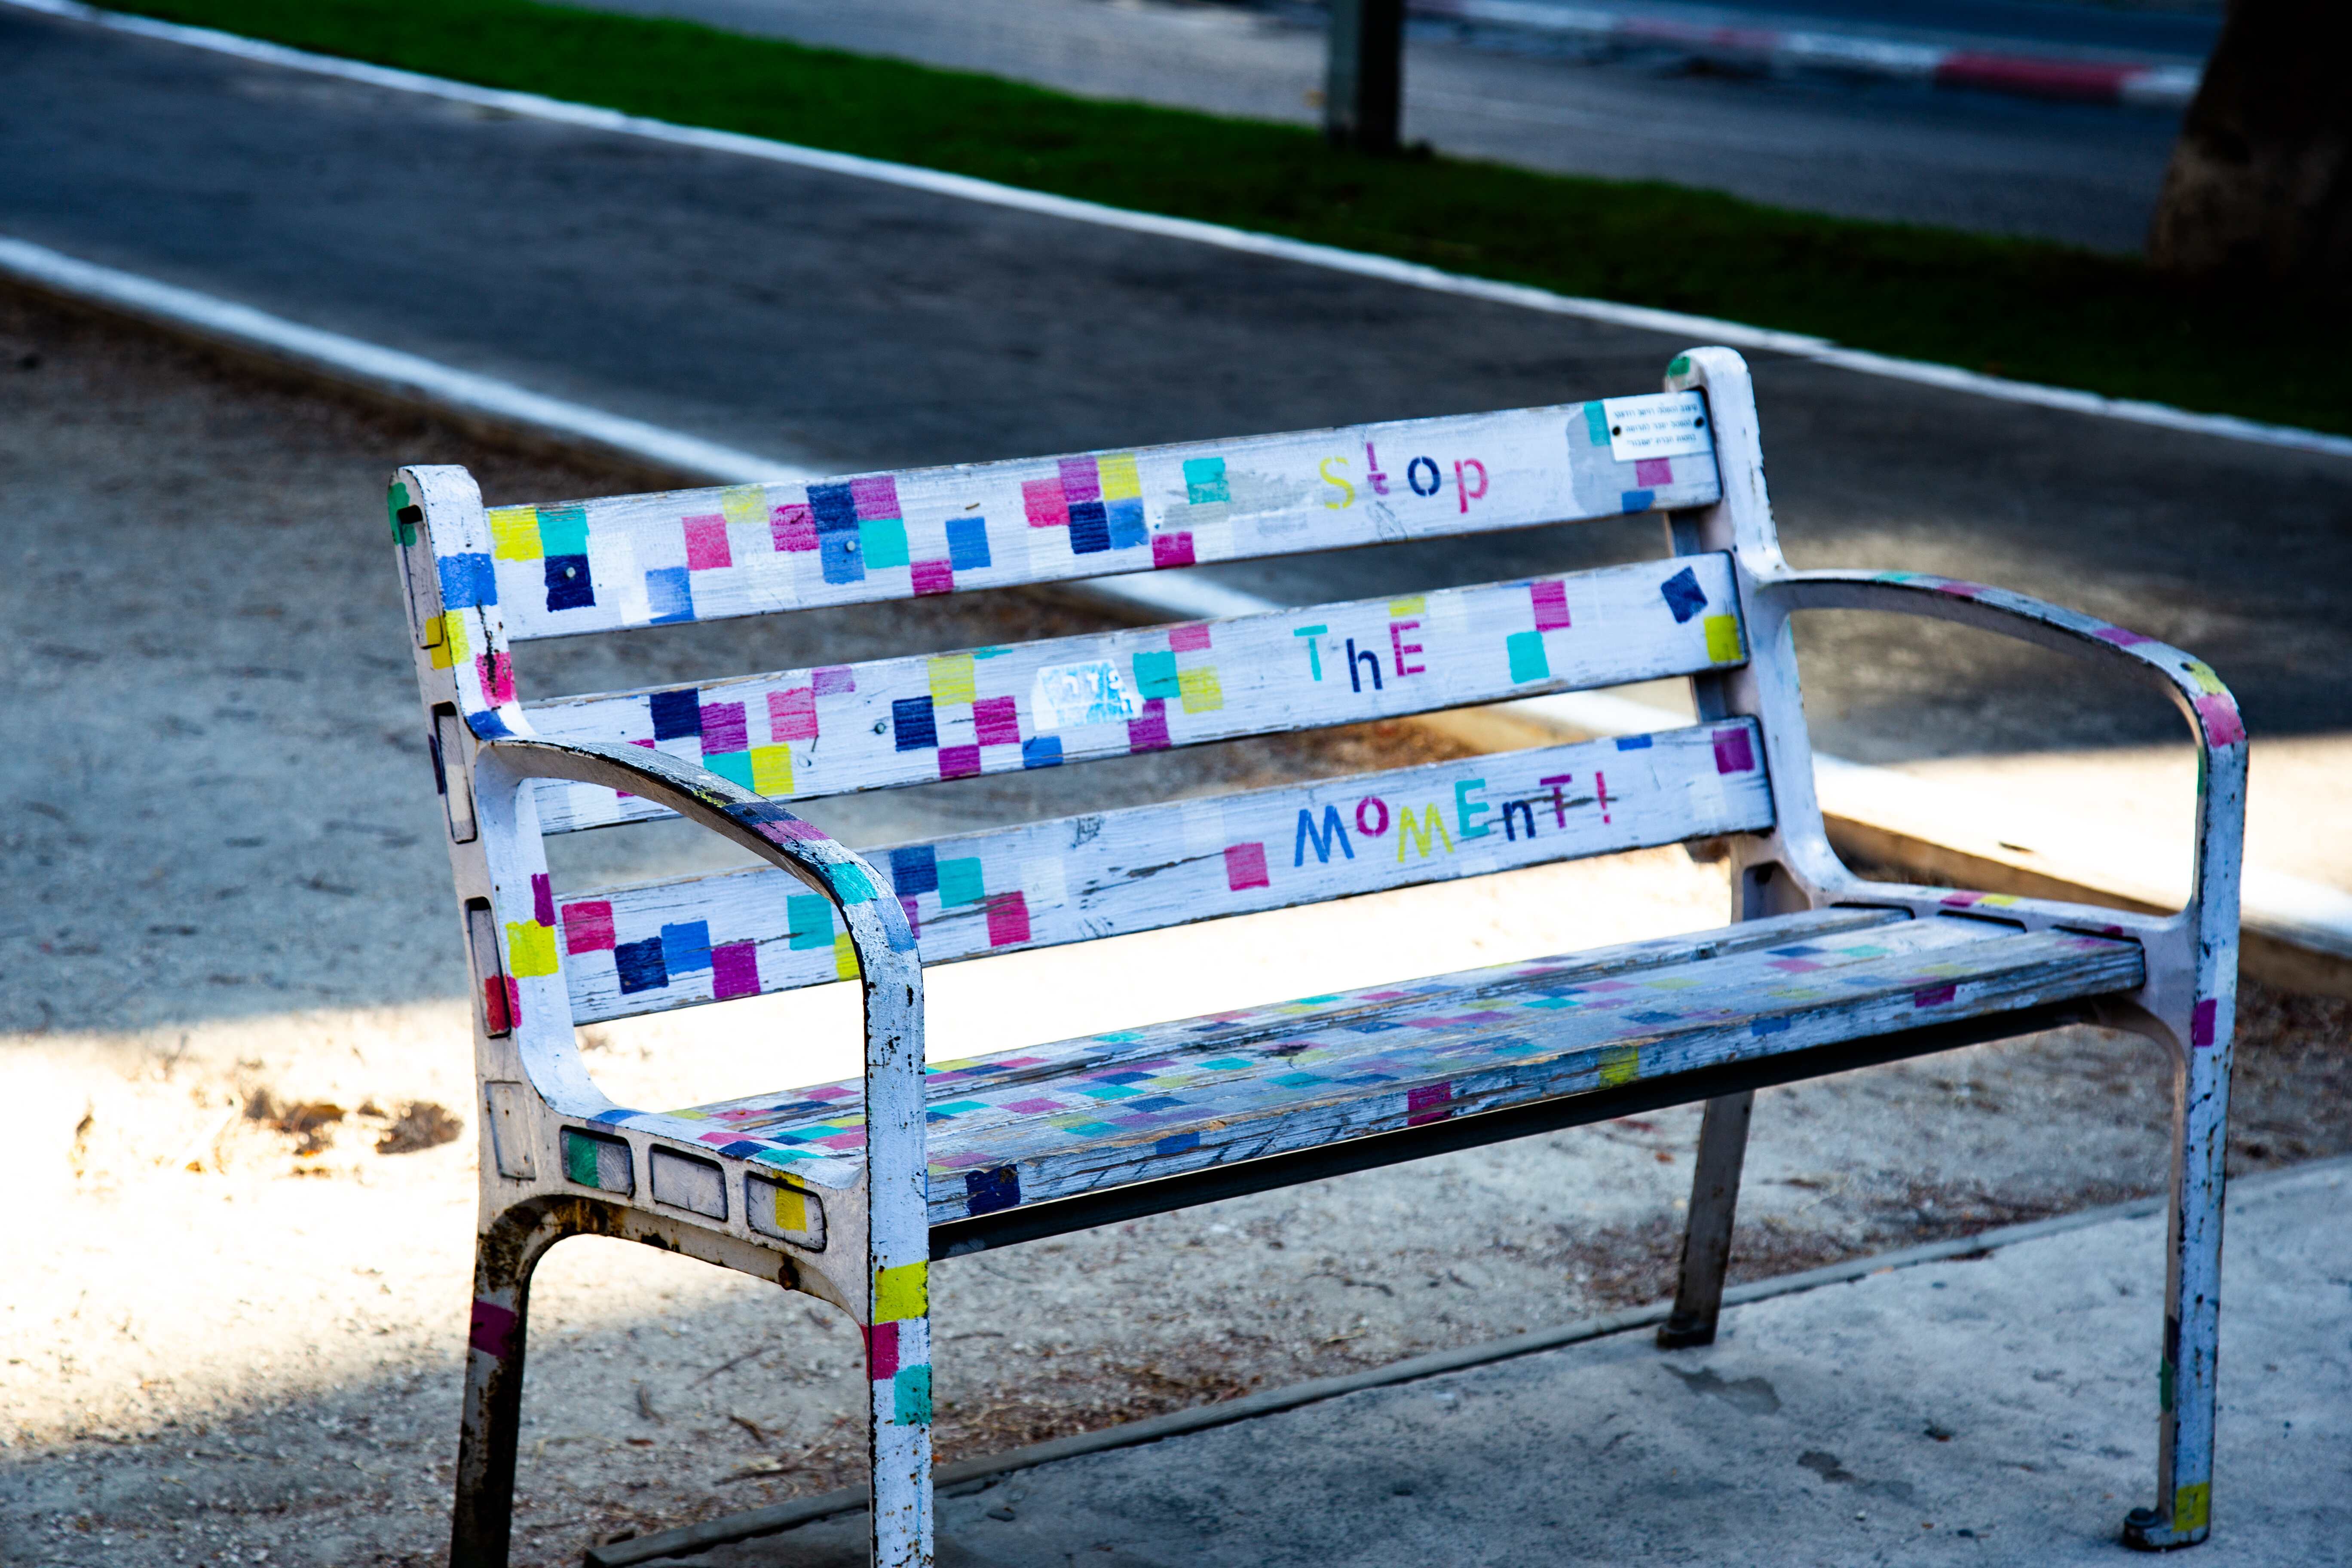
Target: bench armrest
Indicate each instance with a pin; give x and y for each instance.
(2211, 712)
(889, 970)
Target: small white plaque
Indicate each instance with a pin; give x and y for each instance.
(1070, 696)
(1659, 424)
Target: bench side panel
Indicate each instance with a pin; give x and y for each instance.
(804, 733)
(676, 943)
(596, 565)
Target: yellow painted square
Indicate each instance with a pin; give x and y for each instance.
(531, 948)
(844, 958)
(2207, 681)
(902, 1292)
(452, 649)
(772, 769)
(792, 1211)
(951, 680)
(2192, 1507)
(1722, 640)
(1414, 604)
(1621, 1064)
(744, 503)
(1119, 479)
(1200, 688)
(514, 532)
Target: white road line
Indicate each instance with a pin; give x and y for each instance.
(1703, 329)
(2313, 917)
(407, 376)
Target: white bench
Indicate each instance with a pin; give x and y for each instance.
(846, 1191)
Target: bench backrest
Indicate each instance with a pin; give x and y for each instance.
(481, 580)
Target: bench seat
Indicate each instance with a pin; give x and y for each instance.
(1142, 1104)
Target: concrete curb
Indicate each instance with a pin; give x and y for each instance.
(1411, 275)
(2155, 83)
(2297, 933)
(689, 1540)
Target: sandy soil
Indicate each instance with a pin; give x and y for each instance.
(234, 1054)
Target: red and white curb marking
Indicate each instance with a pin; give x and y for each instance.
(2169, 84)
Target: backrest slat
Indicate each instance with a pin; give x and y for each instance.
(889, 722)
(690, 555)
(661, 945)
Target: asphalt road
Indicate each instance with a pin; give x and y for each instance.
(866, 326)
(2083, 173)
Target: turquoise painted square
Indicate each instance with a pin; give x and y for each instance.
(733, 766)
(809, 917)
(1204, 481)
(957, 1108)
(959, 882)
(910, 1396)
(1226, 1064)
(851, 882)
(563, 530)
(1155, 675)
(1529, 661)
(1107, 1091)
(580, 1159)
(883, 542)
(1596, 424)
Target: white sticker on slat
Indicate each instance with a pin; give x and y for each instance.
(1070, 696)
(1659, 424)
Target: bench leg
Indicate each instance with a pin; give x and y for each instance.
(484, 1508)
(1707, 1238)
(899, 1435)
(2186, 1386)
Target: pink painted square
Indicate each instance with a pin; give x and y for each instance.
(542, 899)
(588, 927)
(1653, 471)
(1428, 1103)
(876, 497)
(1171, 550)
(1080, 481)
(1188, 639)
(792, 713)
(998, 719)
(933, 577)
(835, 678)
(1008, 920)
(496, 672)
(1245, 865)
(1149, 732)
(724, 729)
(958, 762)
(1042, 499)
(791, 528)
(1551, 604)
(706, 542)
(735, 969)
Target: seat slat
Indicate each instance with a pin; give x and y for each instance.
(1243, 1085)
(809, 733)
(675, 943)
(686, 555)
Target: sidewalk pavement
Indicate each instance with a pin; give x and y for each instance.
(1996, 1408)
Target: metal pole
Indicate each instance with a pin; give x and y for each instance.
(1364, 86)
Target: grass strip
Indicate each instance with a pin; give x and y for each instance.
(2034, 310)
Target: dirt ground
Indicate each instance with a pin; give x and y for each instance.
(234, 1049)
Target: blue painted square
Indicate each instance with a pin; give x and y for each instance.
(808, 918)
(568, 586)
(1125, 519)
(1176, 1144)
(968, 543)
(1158, 1102)
(686, 946)
(837, 558)
(1799, 951)
(992, 1189)
(1636, 500)
(883, 542)
(1683, 594)
(639, 964)
(1089, 527)
(1042, 751)
(911, 722)
(676, 715)
(468, 580)
(961, 882)
(915, 871)
(669, 594)
(1121, 1077)
(1653, 1017)
(1632, 742)
(1763, 1026)
(741, 1149)
(833, 508)
(1155, 675)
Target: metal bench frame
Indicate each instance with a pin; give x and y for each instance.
(870, 1261)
